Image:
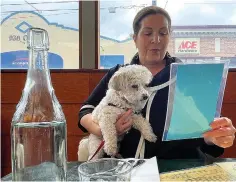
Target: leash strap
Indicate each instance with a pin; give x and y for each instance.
(141, 146)
(98, 149)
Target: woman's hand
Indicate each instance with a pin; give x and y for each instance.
(124, 123)
(222, 133)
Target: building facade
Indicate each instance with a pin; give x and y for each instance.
(189, 43)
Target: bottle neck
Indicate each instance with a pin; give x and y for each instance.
(38, 59)
(38, 72)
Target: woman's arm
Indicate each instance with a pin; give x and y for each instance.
(92, 127)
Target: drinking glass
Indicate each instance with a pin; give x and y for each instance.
(109, 169)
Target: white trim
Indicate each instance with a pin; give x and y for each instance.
(87, 107)
(159, 87)
(141, 146)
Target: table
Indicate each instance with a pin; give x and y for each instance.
(164, 166)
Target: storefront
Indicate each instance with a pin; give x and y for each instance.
(203, 43)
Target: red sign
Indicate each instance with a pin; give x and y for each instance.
(187, 45)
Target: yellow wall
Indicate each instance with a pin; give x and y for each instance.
(64, 42)
(126, 48)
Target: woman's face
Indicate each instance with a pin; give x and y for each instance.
(152, 39)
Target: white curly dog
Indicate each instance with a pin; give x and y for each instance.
(127, 89)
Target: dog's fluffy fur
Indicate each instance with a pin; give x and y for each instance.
(127, 89)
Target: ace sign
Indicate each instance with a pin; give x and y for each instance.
(187, 46)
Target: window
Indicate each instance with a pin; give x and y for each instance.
(59, 18)
(217, 44)
(202, 30)
(116, 43)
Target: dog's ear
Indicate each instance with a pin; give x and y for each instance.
(116, 82)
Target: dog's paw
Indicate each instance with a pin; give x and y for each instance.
(151, 138)
(110, 149)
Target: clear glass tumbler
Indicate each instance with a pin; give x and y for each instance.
(105, 170)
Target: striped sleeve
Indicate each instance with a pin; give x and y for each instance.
(96, 96)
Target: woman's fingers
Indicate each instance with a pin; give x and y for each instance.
(222, 133)
(221, 122)
(127, 125)
(123, 122)
(226, 139)
(125, 116)
(224, 142)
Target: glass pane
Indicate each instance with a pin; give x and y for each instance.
(201, 30)
(59, 18)
(116, 43)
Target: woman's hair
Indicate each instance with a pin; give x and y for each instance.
(150, 10)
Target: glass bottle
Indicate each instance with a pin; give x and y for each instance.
(38, 128)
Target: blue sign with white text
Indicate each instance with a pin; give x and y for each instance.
(20, 59)
(109, 61)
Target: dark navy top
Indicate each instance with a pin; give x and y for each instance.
(179, 149)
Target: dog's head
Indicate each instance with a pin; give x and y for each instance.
(131, 82)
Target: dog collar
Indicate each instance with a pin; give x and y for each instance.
(124, 108)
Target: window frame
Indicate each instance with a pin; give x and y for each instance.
(81, 51)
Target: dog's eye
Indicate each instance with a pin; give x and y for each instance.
(135, 86)
(146, 85)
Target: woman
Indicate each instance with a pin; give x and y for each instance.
(152, 27)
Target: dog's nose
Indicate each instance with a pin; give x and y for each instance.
(145, 97)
